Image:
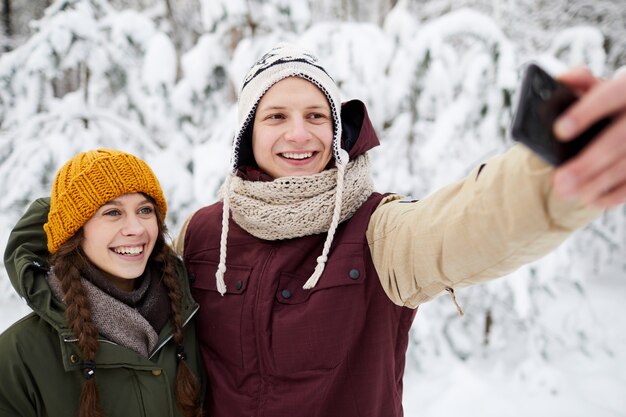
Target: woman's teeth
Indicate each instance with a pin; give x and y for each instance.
(292, 155)
(129, 250)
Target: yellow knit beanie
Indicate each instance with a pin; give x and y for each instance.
(89, 180)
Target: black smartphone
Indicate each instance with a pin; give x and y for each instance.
(542, 99)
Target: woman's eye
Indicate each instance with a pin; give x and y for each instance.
(276, 116)
(112, 213)
(146, 210)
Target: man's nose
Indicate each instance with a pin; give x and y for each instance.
(297, 130)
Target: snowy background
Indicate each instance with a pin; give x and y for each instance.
(159, 78)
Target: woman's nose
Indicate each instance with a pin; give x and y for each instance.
(132, 226)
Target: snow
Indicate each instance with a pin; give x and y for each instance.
(440, 94)
(12, 310)
(157, 70)
(518, 383)
(215, 10)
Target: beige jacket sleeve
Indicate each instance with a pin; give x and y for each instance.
(503, 215)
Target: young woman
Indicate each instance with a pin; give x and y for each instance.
(308, 280)
(112, 330)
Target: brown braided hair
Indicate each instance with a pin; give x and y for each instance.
(68, 261)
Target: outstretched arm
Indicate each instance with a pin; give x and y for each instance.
(500, 217)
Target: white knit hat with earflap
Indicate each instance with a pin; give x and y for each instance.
(282, 61)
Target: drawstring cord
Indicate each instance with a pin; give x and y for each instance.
(89, 369)
(321, 260)
(453, 297)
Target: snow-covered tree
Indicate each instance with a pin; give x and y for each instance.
(160, 79)
(449, 94)
(90, 76)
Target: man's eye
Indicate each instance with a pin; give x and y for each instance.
(318, 116)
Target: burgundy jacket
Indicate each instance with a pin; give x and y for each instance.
(273, 349)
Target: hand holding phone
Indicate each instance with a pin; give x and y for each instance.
(542, 99)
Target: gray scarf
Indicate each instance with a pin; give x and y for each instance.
(125, 318)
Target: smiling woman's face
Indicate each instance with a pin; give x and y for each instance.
(120, 236)
(293, 129)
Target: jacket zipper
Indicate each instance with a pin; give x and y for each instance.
(167, 339)
(262, 365)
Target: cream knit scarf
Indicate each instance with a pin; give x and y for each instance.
(290, 207)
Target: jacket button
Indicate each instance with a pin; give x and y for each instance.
(354, 274)
(73, 358)
(239, 285)
(286, 294)
(192, 277)
(156, 372)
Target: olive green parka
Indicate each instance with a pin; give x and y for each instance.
(40, 363)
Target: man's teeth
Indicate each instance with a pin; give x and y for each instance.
(129, 250)
(291, 155)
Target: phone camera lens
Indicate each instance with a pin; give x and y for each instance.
(544, 94)
(541, 89)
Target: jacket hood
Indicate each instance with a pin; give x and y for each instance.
(359, 135)
(25, 259)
